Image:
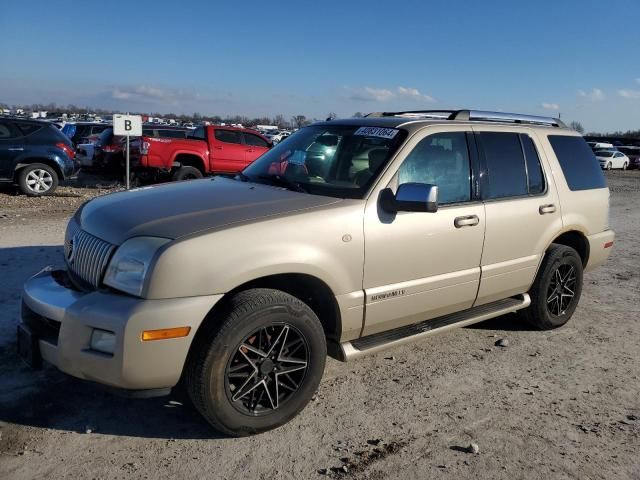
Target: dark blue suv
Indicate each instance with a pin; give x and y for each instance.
(35, 155)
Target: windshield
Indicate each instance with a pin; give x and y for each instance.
(333, 160)
(604, 153)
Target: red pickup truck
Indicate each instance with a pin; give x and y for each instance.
(206, 150)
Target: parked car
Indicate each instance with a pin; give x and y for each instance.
(280, 136)
(35, 155)
(84, 132)
(84, 155)
(241, 286)
(612, 159)
(208, 149)
(595, 146)
(633, 153)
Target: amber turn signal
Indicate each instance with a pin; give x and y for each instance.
(165, 333)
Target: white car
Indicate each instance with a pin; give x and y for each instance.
(85, 153)
(278, 137)
(612, 159)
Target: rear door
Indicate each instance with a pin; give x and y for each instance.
(11, 147)
(255, 146)
(521, 206)
(227, 150)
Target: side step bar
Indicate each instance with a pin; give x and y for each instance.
(410, 333)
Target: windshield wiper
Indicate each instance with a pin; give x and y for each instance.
(283, 182)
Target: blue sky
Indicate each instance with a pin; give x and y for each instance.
(577, 58)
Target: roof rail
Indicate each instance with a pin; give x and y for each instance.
(475, 115)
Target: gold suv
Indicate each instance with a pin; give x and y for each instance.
(348, 237)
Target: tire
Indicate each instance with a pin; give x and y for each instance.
(609, 166)
(624, 166)
(231, 382)
(186, 173)
(560, 263)
(37, 180)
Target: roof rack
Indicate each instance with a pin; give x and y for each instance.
(474, 115)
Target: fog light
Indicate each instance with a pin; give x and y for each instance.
(103, 341)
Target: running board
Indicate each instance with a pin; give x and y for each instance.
(410, 333)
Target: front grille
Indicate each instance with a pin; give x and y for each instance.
(87, 256)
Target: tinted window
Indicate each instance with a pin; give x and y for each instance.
(506, 174)
(28, 128)
(442, 160)
(199, 133)
(228, 136)
(255, 140)
(579, 165)
(534, 169)
(7, 131)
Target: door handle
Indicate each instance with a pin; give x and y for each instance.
(217, 147)
(544, 209)
(249, 150)
(468, 221)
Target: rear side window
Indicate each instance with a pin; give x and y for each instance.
(228, 136)
(28, 128)
(198, 134)
(579, 165)
(535, 176)
(255, 140)
(7, 131)
(505, 164)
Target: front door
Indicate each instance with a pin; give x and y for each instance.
(228, 151)
(424, 265)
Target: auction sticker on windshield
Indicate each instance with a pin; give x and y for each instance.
(377, 132)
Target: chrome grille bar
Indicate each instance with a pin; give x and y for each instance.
(86, 256)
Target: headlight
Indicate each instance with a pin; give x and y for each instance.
(130, 264)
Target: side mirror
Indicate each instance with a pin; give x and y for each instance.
(410, 197)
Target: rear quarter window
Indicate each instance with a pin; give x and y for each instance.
(578, 162)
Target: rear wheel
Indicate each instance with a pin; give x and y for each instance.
(37, 180)
(260, 367)
(557, 288)
(186, 173)
(624, 166)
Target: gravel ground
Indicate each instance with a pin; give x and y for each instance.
(558, 404)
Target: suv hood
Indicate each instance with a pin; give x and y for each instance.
(183, 208)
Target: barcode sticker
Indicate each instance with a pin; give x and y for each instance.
(377, 132)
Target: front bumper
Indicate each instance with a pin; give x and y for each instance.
(62, 320)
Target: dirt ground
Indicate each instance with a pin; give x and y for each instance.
(558, 404)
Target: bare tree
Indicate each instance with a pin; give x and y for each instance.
(577, 126)
(358, 115)
(332, 116)
(280, 121)
(299, 121)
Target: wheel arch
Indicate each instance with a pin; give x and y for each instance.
(309, 289)
(189, 159)
(26, 162)
(576, 240)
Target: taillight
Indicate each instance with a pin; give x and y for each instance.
(67, 150)
(144, 148)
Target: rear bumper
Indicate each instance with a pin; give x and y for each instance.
(63, 320)
(600, 246)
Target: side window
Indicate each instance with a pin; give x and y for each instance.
(506, 174)
(200, 134)
(254, 140)
(28, 128)
(228, 136)
(443, 160)
(534, 169)
(579, 164)
(8, 131)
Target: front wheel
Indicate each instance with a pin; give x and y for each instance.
(556, 289)
(624, 166)
(260, 366)
(609, 166)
